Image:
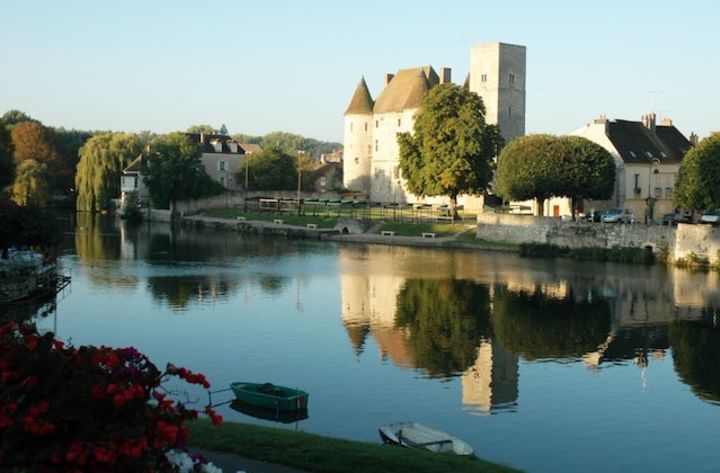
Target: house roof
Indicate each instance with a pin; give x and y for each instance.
(251, 148)
(361, 102)
(137, 165)
(406, 89)
(206, 140)
(636, 143)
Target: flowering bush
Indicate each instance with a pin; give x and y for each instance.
(96, 409)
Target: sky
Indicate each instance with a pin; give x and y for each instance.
(262, 66)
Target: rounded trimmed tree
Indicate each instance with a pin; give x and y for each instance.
(451, 149)
(698, 184)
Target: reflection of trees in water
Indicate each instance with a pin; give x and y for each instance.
(272, 284)
(179, 291)
(534, 326)
(696, 354)
(96, 238)
(446, 320)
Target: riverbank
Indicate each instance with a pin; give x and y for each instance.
(316, 453)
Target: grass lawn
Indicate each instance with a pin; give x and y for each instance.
(299, 220)
(328, 455)
(417, 229)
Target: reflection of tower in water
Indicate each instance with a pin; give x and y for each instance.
(492, 381)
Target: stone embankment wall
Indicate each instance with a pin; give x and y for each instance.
(702, 241)
(230, 200)
(529, 229)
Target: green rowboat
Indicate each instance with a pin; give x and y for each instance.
(270, 396)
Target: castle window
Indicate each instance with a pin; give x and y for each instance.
(365, 126)
(221, 166)
(369, 149)
(377, 123)
(351, 126)
(483, 78)
(512, 79)
(357, 160)
(399, 122)
(509, 112)
(396, 172)
(376, 145)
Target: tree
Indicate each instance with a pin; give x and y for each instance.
(31, 184)
(451, 149)
(289, 143)
(542, 166)
(12, 117)
(207, 129)
(32, 140)
(7, 163)
(68, 143)
(224, 130)
(698, 185)
(102, 159)
(270, 169)
(175, 171)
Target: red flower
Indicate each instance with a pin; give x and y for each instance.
(77, 453)
(118, 399)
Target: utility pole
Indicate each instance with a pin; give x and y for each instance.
(247, 175)
(299, 182)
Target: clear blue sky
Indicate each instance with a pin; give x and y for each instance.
(261, 66)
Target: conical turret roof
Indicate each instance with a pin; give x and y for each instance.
(361, 103)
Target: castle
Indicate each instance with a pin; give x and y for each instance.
(371, 164)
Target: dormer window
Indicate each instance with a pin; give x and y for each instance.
(632, 153)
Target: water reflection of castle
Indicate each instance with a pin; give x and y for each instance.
(538, 312)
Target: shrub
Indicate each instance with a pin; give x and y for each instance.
(541, 250)
(89, 408)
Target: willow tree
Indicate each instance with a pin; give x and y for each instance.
(31, 184)
(102, 159)
(451, 149)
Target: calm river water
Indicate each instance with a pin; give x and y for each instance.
(546, 365)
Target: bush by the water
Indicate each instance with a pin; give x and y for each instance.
(616, 254)
(96, 409)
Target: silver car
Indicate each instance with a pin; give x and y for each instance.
(619, 216)
(711, 217)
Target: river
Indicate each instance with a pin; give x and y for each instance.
(546, 365)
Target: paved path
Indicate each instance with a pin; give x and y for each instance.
(231, 463)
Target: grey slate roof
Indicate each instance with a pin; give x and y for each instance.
(251, 148)
(637, 144)
(406, 89)
(361, 102)
(137, 165)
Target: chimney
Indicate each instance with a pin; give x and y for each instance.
(649, 121)
(388, 78)
(694, 139)
(446, 75)
(602, 120)
(666, 122)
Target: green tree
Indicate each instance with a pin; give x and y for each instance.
(31, 184)
(542, 166)
(696, 355)
(11, 117)
(289, 143)
(68, 143)
(270, 169)
(175, 172)
(207, 129)
(451, 149)
(7, 163)
(102, 159)
(698, 185)
(224, 130)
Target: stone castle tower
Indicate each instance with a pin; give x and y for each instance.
(371, 157)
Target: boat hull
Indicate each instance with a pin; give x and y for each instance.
(417, 435)
(270, 396)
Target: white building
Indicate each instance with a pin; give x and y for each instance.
(371, 153)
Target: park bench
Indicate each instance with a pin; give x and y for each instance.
(387, 233)
(240, 219)
(429, 235)
(278, 221)
(311, 225)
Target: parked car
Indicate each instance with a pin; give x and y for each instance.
(619, 216)
(675, 218)
(711, 217)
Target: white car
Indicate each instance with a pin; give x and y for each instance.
(619, 216)
(711, 217)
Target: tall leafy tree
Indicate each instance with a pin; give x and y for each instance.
(270, 169)
(7, 164)
(451, 149)
(208, 129)
(32, 140)
(698, 185)
(542, 166)
(31, 184)
(224, 130)
(69, 143)
(102, 159)
(11, 117)
(176, 173)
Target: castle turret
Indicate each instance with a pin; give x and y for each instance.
(358, 140)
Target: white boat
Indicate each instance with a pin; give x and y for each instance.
(417, 435)
(25, 274)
